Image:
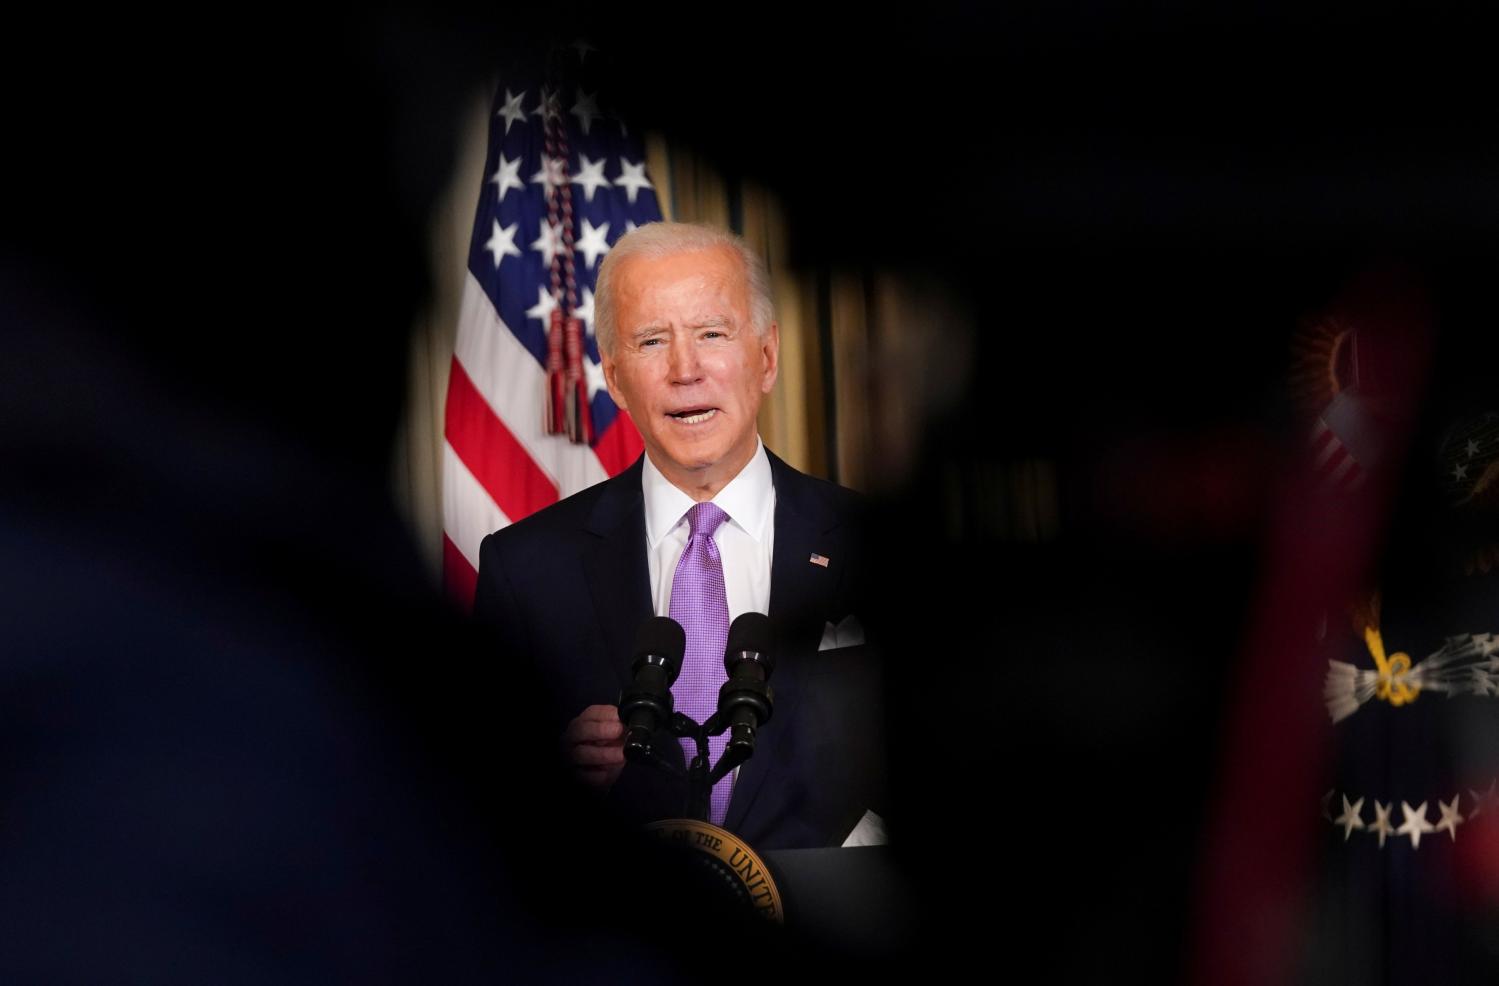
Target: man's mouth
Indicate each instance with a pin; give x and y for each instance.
(693, 415)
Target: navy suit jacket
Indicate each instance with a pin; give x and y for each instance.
(568, 587)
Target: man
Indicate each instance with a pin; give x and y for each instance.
(707, 525)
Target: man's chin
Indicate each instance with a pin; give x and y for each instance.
(696, 460)
(691, 459)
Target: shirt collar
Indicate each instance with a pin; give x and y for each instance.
(746, 498)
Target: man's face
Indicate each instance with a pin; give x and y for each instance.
(688, 365)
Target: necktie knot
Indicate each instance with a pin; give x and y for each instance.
(705, 518)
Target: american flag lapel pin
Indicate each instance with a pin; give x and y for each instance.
(817, 559)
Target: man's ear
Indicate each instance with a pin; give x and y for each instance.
(770, 349)
(610, 369)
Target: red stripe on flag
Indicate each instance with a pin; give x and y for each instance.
(498, 461)
(619, 446)
(459, 579)
(1336, 459)
(1320, 437)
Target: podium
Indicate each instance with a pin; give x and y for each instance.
(852, 900)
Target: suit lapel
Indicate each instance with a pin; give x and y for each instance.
(616, 569)
(800, 592)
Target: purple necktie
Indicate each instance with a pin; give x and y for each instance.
(700, 604)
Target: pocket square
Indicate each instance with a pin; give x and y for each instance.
(869, 832)
(848, 633)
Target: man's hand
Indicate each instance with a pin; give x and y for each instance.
(594, 745)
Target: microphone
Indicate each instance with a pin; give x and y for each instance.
(647, 704)
(745, 699)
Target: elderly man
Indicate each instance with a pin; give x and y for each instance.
(707, 525)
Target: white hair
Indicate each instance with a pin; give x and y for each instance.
(664, 239)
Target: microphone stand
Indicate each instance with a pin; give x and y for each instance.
(637, 753)
(700, 779)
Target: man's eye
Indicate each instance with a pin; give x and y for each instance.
(649, 342)
(712, 334)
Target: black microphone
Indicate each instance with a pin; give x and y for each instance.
(745, 699)
(657, 660)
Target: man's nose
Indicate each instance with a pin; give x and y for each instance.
(683, 363)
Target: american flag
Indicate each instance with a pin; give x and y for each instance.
(1345, 443)
(498, 462)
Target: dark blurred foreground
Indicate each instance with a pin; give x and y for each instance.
(242, 741)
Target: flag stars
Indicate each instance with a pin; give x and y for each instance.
(585, 311)
(551, 173)
(1414, 823)
(590, 175)
(1472, 448)
(1484, 801)
(548, 242)
(586, 108)
(1450, 817)
(593, 375)
(592, 243)
(1351, 818)
(512, 111)
(506, 177)
(545, 305)
(502, 242)
(1460, 472)
(1381, 824)
(550, 104)
(632, 179)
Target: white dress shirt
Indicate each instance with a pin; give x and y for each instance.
(746, 541)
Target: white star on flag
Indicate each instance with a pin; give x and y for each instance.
(549, 104)
(512, 111)
(590, 175)
(593, 375)
(1415, 823)
(632, 178)
(586, 108)
(1381, 824)
(507, 176)
(550, 173)
(544, 306)
(502, 242)
(1472, 448)
(1484, 800)
(549, 242)
(1460, 473)
(585, 311)
(1351, 818)
(592, 242)
(1450, 817)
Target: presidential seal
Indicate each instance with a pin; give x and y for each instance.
(742, 873)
